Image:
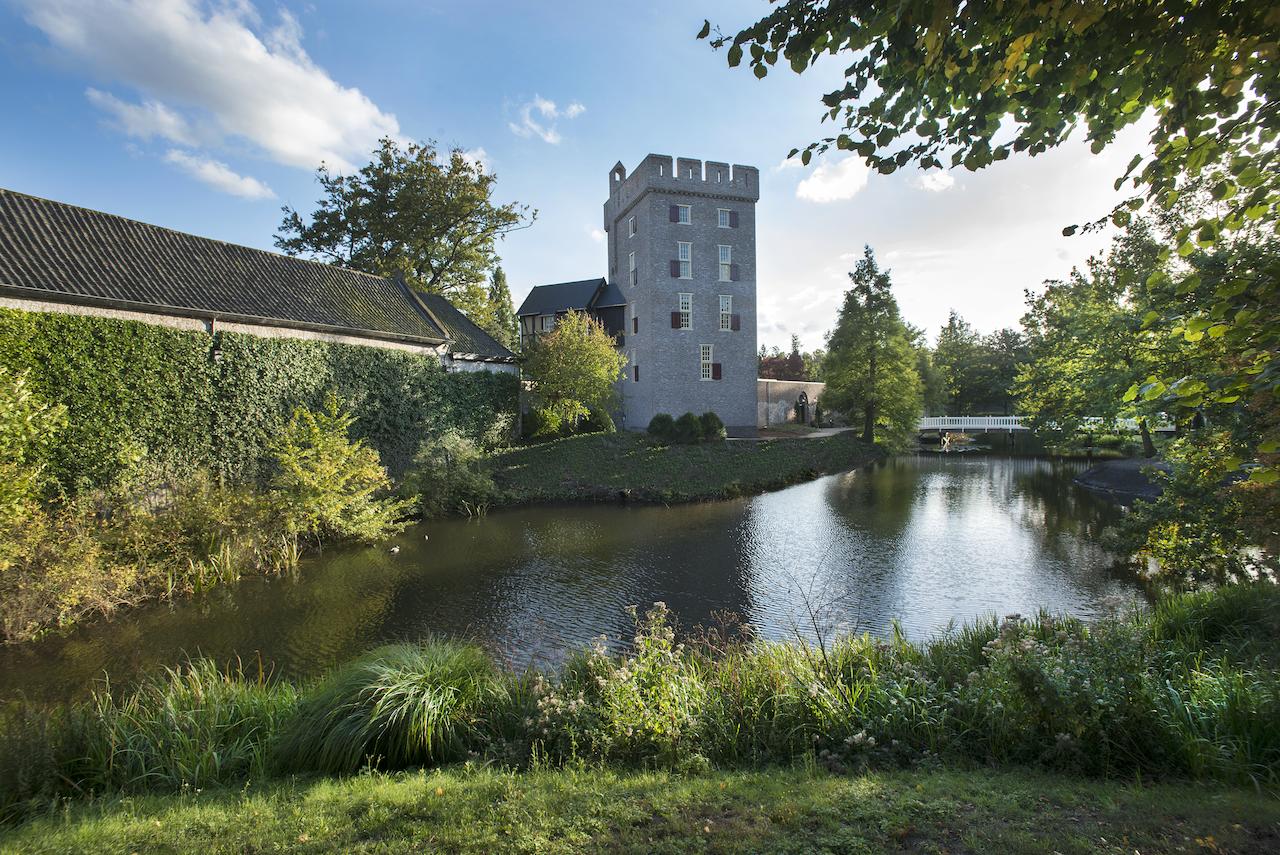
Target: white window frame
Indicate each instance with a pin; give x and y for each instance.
(632, 276)
(686, 311)
(706, 356)
(722, 218)
(631, 227)
(726, 313)
(726, 263)
(684, 254)
(546, 323)
(684, 215)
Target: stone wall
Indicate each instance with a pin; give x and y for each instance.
(776, 400)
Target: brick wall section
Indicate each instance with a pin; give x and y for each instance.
(669, 358)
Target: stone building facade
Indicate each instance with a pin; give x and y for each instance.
(682, 248)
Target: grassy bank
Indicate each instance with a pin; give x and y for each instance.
(592, 810)
(634, 467)
(1188, 690)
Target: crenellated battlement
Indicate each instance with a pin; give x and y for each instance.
(679, 175)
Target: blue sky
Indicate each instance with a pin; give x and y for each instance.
(207, 117)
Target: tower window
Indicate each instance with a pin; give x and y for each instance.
(631, 227)
(705, 371)
(722, 217)
(684, 252)
(726, 263)
(726, 313)
(684, 214)
(632, 276)
(686, 311)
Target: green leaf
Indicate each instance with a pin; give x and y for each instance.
(1131, 394)
(1265, 475)
(705, 31)
(735, 56)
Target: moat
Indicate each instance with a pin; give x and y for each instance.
(923, 540)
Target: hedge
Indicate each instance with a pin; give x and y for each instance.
(196, 400)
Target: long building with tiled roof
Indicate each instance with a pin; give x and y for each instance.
(60, 257)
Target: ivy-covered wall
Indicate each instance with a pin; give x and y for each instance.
(196, 400)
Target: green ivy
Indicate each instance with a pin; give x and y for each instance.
(196, 400)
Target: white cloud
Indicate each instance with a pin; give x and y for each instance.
(835, 181)
(789, 163)
(933, 181)
(218, 175)
(477, 157)
(543, 125)
(216, 66)
(596, 234)
(146, 120)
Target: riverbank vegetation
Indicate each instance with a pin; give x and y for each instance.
(1186, 690)
(65, 556)
(636, 467)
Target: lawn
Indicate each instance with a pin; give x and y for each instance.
(590, 810)
(627, 466)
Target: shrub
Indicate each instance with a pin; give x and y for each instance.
(403, 705)
(543, 423)
(448, 476)
(688, 429)
(329, 486)
(712, 426)
(662, 427)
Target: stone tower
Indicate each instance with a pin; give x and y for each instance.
(682, 249)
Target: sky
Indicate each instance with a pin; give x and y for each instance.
(208, 117)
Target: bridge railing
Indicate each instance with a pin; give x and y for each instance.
(985, 423)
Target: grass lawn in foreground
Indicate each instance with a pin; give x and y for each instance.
(786, 811)
(634, 467)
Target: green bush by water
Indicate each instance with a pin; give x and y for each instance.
(1188, 689)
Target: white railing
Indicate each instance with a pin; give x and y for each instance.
(984, 423)
(978, 423)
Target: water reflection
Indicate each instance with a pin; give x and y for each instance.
(923, 540)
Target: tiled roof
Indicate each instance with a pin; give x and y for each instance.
(561, 297)
(53, 251)
(465, 338)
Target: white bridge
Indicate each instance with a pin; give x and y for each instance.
(982, 424)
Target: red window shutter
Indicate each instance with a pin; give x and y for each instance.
(673, 213)
(635, 325)
(735, 322)
(733, 219)
(675, 320)
(715, 371)
(675, 268)
(733, 273)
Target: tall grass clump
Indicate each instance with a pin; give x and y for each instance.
(401, 705)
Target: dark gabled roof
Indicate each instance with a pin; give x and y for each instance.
(610, 295)
(465, 338)
(59, 252)
(561, 297)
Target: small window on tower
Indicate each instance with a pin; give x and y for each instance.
(705, 362)
(726, 263)
(684, 214)
(726, 313)
(632, 276)
(631, 227)
(722, 217)
(685, 255)
(686, 311)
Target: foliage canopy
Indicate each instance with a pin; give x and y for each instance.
(573, 369)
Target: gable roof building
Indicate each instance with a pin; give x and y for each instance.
(59, 257)
(598, 297)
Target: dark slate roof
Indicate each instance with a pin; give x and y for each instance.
(561, 297)
(610, 295)
(465, 338)
(58, 252)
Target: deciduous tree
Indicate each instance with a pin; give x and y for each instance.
(572, 370)
(413, 212)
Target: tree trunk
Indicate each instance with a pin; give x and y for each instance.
(1148, 447)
